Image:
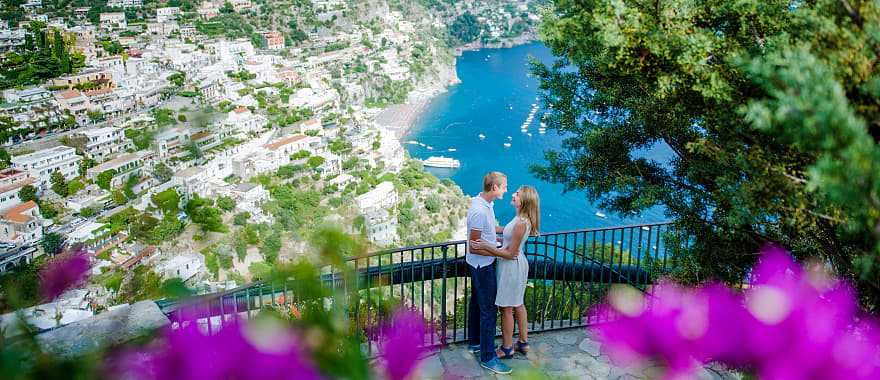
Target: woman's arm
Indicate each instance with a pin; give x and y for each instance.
(512, 250)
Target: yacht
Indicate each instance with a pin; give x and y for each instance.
(441, 162)
(509, 138)
(422, 145)
(542, 131)
(452, 149)
(430, 147)
(529, 134)
(600, 214)
(481, 136)
(507, 145)
(412, 142)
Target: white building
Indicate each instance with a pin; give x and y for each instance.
(183, 267)
(104, 143)
(242, 120)
(113, 20)
(123, 167)
(11, 182)
(41, 164)
(92, 196)
(22, 224)
(167, 13)
(375, 206)
(124, 3)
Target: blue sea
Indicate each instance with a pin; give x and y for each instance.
(494, 98)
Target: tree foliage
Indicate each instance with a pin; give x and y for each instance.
(466, 28)
(59, 186)
(768, 107)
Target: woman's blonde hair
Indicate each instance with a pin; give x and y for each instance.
(530, 207)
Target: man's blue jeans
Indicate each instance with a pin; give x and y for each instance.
(482, 313)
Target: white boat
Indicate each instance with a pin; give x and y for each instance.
(529, 134)
(509, 138)
(507, 145)
(452, 149)
(422, 145)
(600, 214)
(430, 147)
(481, 136)
(542, 131)
(646, 228)
(412, 142)
(510, 108)
(441, 162)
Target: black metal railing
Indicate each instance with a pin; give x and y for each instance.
(569, 272)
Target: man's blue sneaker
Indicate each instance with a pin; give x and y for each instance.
(474, 349)
(496, 366)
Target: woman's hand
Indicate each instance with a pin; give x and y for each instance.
(482, 245)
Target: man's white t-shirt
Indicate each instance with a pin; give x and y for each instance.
(480, 216)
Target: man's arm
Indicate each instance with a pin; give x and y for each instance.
(512, 250)
(474, 235)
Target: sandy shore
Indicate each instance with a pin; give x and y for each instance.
(399, 118)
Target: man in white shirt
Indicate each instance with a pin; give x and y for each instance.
(482, 313)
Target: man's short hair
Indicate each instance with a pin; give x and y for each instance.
(492, 179)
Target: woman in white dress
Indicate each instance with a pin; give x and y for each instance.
(512, 269)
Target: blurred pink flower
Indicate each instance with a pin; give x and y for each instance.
(62, 273)
(244, 351)
(403, 344)
(789, 324)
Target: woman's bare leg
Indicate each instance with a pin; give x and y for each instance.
(507, 326)
(522, 319)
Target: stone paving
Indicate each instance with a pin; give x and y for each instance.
(563, 354)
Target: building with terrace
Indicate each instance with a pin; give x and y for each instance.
(104, 143)
(11, 182)
(375, 206)
(88, 80)
(171, 141)
(21, 224)
(123, 167)
(167, 14)
(112, 20)
(41, 164)
(242, 120)
(75, 104)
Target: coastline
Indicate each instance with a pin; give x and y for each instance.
(400, 118)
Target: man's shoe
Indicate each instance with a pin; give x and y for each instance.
(474, 349)
(496, 366)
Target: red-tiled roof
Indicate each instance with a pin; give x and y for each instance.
(241, 109)
(69, 94)
(274, 145)
(16, 214)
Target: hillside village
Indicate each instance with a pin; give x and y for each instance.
(202, 142)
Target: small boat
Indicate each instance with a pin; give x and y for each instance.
(529, 134)
(510, 108)
(481, 136)
(441, 162)
(542, 131)
(601, 214)
(422, 145)
(412, 142)
(509, 138)
(430, 147)
(452, 149)
(507, 145)
(646, 228)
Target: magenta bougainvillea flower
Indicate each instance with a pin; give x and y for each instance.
(403, 344)
(63, 273)
(790, 323)
(240, 350)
